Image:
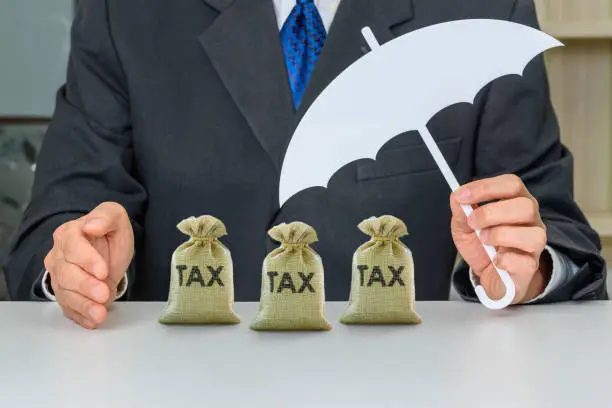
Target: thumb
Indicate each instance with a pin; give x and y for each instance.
(105, 219)
(113, 293)
(459, 218)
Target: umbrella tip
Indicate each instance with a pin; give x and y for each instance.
(370, 38)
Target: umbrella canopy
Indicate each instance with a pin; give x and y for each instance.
(399, 87)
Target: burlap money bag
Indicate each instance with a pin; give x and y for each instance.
(292, 288)
(202, 276)
(382, 284)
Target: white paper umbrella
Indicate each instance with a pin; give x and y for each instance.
(399, 87)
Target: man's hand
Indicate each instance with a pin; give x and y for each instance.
(88, 259)
(511, 223)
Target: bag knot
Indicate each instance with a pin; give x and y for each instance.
(204, 228)
(383, 228)
(293, 234)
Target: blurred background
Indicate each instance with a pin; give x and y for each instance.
(34, 47)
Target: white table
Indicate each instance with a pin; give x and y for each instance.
(461, 356)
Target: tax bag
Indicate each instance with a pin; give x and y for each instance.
(382, 284)
(201, 277)
(292, 289)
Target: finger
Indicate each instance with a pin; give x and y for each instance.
(67, 276)
(79, 319)
(521, 266)
(111, 297)
(459, 219)
(490, 189)
(89, 310)
(77, 250)
(516, 211)
(490, 280)
(50, 259)
(104, 219)
(528, 239)
(518, 264)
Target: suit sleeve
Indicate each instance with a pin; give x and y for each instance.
(519, 134)
(87, 156)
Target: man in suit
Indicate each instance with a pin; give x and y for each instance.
(173, 109)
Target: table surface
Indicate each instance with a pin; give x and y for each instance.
(462, 355)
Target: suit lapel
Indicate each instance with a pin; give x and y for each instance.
(243, 44)
(345, 44)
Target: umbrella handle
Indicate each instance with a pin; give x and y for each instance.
(467, 209)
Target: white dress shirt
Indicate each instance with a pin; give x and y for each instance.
(327, 10)
(563, 268)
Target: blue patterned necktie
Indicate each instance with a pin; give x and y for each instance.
(302, 36)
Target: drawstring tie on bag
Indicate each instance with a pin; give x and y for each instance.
(380, 238)
(203, 240)
(293, 246)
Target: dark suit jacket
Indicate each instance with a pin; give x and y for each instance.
(180, 108)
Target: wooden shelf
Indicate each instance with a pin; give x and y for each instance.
(602, 222)
(581, 88)
(586, 30)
